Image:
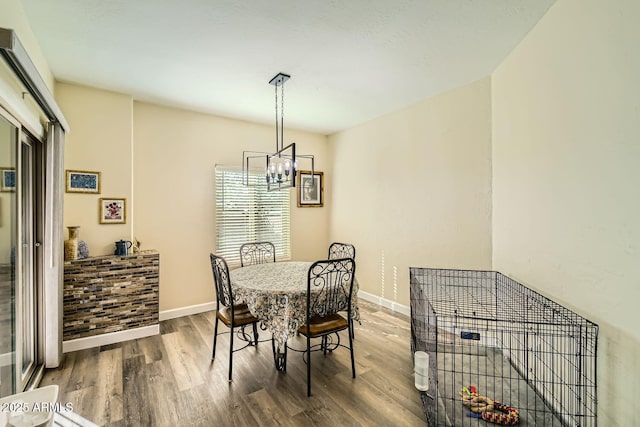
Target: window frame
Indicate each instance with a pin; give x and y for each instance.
(249, 213)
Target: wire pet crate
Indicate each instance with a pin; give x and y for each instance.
(512, 344)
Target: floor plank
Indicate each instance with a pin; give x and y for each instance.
(170, 379)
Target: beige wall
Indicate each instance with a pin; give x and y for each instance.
(100, 141)
(23, 108)
(12, 17)
(413, 188)
(566, 207)
(174, 191)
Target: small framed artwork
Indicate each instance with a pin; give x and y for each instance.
(7, 179)
(83, 182)
(310, 189)
(113, 211)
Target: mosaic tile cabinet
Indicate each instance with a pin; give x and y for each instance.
(110, 294)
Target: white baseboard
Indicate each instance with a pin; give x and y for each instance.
(187, 311)
(392, 305)
(110, 338)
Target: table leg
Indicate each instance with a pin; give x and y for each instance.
(279, 355)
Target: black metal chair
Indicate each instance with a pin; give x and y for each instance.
(257, 253)
(329, 291)
(342, 250)
(231, 314)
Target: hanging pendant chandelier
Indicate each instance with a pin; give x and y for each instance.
(282, 165)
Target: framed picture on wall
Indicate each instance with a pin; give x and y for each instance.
(83, 182)
(7, 179)
(310, 189)
(113, 211)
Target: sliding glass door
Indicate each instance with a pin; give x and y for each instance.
(29, 271)
(20, 258)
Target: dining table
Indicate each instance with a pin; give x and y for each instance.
(276, 294)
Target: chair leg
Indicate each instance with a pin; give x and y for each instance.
(231, 352)
(215, 339)
(255, 334)
(353, 363)
(352, 329)
(308, 366)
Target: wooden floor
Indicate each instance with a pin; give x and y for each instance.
(169, 379)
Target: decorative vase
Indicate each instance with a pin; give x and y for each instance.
(71, 245)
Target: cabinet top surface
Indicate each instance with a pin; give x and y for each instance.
(130, 256)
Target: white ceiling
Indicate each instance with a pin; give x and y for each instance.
(350, 60)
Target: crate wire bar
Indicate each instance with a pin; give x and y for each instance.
(514, 345)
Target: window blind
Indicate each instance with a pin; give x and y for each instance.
(250, 214)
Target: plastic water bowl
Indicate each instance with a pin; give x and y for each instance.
(33, 408)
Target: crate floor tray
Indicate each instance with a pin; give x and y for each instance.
(493, 376)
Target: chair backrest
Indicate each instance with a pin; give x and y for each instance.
(257, 253)
(329, 286)
(342, 250)
(220, 270)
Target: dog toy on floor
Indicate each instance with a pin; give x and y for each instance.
(487, 408)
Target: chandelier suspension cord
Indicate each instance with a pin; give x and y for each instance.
(277, 125)
(281, 115)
